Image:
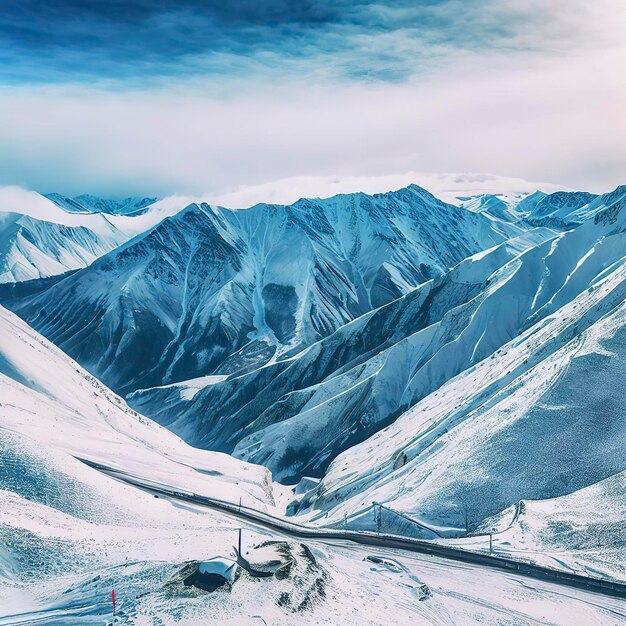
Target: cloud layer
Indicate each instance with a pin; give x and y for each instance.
(205, 97)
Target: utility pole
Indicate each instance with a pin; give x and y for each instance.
(380, 515)
(345, 523)
(240, 504)
(377, 516)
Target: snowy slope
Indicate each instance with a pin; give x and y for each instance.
(70, 535)
(215, 291)
(583, 531)
(43, 236)
(31, 248)
(53, 406)
(541, 419)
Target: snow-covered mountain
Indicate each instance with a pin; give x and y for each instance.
(87, 203)
(32, 248)
(38, 239)
(460, 365)
(561, 210)
(216, 291)
(370, 371)
(538, 419)
(285, 413)
(44, 236)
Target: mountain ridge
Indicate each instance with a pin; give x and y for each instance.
(268, 278)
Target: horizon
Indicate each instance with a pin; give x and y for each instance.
(450, 188)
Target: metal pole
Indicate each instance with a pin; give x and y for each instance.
(490, 543)
(345, 523)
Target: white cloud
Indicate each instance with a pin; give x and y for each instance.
(553, 115)
(449, 187)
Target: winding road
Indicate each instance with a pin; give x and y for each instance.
(383, 540)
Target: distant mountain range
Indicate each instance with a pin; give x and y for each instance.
(93, 204)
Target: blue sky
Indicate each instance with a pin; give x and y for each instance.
(144, 41)
(164, 96)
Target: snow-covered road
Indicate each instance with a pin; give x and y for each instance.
(391, 542)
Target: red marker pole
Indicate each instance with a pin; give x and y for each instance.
(113, 600)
